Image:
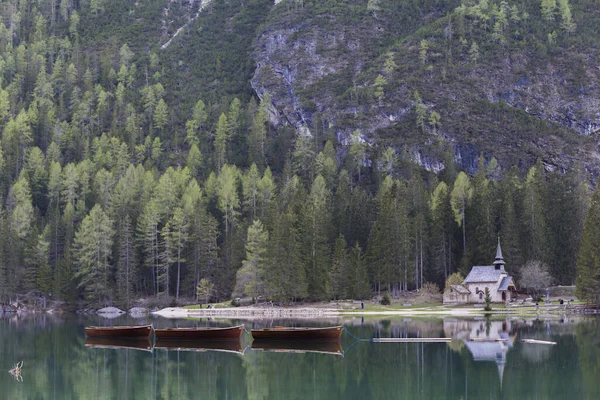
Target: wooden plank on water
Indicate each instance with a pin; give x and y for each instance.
(535, 341)
(412, 340)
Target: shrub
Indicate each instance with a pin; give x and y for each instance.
(386, 300)
(236, 302)
(430, 288)
(488, 300)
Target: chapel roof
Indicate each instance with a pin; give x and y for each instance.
(486, 273)
(506, 282)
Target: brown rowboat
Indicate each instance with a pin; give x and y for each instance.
(122, 332)
(230, 333)
(332, 333)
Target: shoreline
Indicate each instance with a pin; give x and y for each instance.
(315, 313)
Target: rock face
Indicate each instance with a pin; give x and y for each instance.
(516, 103)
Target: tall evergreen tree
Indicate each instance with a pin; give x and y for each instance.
(92, 253)
(125, 269)
(316, 226)
(588, 260)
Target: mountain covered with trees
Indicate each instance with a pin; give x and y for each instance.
(296, 150)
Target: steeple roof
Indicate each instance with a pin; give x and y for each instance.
(499, 259)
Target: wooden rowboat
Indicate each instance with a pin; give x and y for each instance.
(332, 333)
(229, 333)
(122, 332)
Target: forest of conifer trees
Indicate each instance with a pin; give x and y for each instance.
(112, 189)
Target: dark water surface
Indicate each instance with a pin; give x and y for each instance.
(58, 365)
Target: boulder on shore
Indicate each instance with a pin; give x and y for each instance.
(110, 310)
(138, 312)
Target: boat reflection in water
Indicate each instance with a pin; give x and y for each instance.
(116, 343)
(227, 346)
(299, 346)
(233, 333)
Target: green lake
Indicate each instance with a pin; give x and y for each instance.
(57, 363)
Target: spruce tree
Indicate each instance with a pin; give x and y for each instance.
(588, 260)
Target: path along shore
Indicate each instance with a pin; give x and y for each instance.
(306, 312)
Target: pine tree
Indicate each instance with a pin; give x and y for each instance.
(339, 268)
(315, 227)
(358, 287)
(441, 230)
(125, 272)
(258, 133)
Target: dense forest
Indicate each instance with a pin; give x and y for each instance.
(130, 171)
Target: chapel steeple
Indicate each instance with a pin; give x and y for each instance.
(499, 261)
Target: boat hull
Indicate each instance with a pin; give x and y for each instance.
(233, 333)
(122, 332)
(332, 333)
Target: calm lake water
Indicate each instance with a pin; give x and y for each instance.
(57, 364)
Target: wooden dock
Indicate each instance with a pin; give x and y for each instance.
(412, 340)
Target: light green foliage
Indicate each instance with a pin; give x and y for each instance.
(474, 52)
(221, 140)
(434, 121)
(548, 8)
(461, 194)
(205, 289)
(251, 278)
(388, 161)
(423, 51)
(454, 279)
(488, 300)
(258, 132)
(92, 254)
(22, 213)
(379, 85)
(358, 152)
(566, 19)
(390, 65)
(161, 115)
(228, 199)
(303, 158)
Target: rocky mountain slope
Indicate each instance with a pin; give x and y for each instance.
(505, 80)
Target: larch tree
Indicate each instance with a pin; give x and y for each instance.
(221, 141)
(461, 194)
(92, 254)
(251, 277)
